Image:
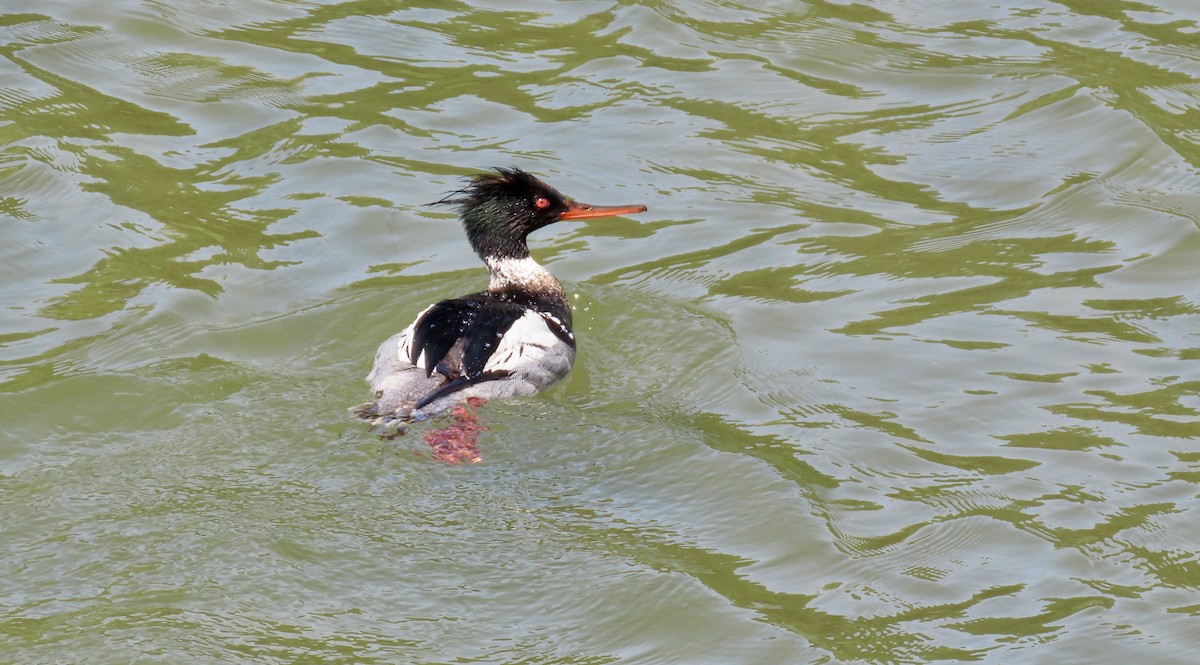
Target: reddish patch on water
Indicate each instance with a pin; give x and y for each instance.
(456, 442)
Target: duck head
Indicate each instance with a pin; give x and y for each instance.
(499, 210)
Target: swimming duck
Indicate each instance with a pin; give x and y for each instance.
(510, 340)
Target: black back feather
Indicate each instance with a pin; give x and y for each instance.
(480, 320)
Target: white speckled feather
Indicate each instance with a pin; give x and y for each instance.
(530, 346)
(406, 338)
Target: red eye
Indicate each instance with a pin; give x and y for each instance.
(541, 202)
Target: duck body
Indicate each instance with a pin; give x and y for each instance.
(510, 340)
(488, 345)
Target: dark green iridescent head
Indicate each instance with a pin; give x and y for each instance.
(499, 210)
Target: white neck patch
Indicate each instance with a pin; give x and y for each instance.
(519, 272)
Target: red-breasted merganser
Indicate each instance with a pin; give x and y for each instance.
(510, 340)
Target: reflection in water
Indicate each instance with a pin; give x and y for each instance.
(194, 211)
(902, 371)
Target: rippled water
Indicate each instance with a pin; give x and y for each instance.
(900, 367)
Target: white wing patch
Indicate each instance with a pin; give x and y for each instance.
(404, 346)
(406, 340)
(526, 342)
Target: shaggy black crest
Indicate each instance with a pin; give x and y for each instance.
(499, 210)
